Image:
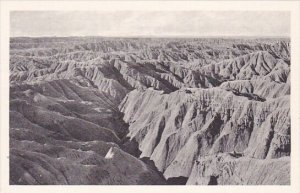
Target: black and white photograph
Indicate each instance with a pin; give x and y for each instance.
(150, 97)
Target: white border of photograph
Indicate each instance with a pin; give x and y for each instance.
(291, 6)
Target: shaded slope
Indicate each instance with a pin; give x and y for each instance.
(60, 134)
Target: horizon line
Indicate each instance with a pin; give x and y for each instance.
(158, 36)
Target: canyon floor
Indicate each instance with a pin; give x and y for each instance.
(149, 111)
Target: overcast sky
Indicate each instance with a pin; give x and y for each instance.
(150, 23)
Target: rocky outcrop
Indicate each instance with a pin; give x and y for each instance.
(230, 169)
(174, 129)
(259, 65)
(264, 89)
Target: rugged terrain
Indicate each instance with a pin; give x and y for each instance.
(93, 110)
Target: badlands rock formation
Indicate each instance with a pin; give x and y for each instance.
(149, 111)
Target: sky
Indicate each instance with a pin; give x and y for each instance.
(149, 23)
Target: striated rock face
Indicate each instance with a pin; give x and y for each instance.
(174, 129)
(261, 65)
(229, 169)
(122, 111)
(248, 113)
